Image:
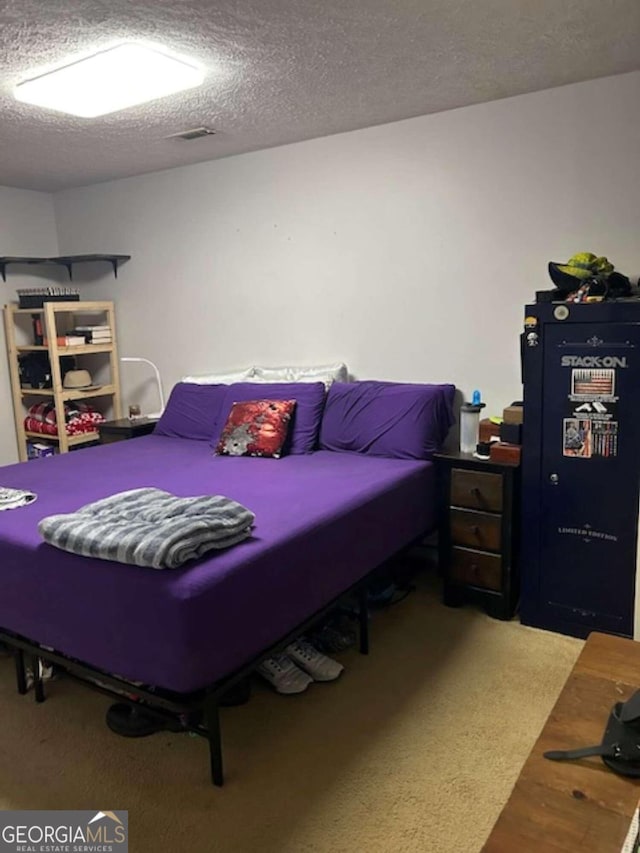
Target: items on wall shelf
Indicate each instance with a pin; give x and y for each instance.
(63, 261)
(35, 297)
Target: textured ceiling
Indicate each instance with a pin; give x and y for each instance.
(285, 70)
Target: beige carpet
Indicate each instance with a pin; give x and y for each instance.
(416, 748)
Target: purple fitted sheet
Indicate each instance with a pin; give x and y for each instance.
(322, 522)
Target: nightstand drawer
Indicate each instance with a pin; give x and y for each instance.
(476, 568)
(111, 437)
(476, 489)
(476, 529)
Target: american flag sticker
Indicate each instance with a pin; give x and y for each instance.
(593, 383)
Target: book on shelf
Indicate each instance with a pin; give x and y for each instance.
(68, 341)
(94, 335)
(93, 329)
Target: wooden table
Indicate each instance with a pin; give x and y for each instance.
(561, 807)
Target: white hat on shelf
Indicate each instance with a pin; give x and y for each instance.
(77, 379)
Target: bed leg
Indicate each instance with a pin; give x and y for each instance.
(21, 675)
(212, 719)
(38, 685)
(363, 618)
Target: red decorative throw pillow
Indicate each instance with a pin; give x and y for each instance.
(256, 428)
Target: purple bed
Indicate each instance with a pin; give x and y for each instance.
(318, 530)
(324, 519)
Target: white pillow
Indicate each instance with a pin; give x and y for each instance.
(326, 373)
(221, 378)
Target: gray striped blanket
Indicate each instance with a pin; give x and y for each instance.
(149, 527)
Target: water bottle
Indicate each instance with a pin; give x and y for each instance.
(470, 423)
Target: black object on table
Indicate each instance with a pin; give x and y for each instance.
(478, 532)
(124, 429)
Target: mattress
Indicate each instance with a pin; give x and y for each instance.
(323, 521)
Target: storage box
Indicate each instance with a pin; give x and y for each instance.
(37, 450)
(488, 430)
(502, 452)
(511, 433)
(513, 415)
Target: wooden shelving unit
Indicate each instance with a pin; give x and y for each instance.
(22, 396)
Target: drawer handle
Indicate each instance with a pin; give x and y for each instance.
(475, 492)
(474, 568)
(474, 529)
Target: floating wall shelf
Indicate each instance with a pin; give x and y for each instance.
(63, 261)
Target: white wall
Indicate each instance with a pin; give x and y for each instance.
(407, 250)
(27, 227)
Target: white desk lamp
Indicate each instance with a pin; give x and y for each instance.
(158, 381)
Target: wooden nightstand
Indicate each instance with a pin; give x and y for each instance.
(123, 429)
(479, 532)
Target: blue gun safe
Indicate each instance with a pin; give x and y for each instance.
(581, 466)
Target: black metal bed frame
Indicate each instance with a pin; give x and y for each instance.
(200, 709)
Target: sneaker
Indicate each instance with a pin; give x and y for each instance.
(319, 666)
(284, 675)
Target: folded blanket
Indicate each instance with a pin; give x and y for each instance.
(12, 498)
(149, 527)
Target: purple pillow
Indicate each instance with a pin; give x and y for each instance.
(398, 420)
(309, 397)
(192, 411)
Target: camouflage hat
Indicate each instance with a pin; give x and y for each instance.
(578, 269)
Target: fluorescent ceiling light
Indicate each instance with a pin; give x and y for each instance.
(111, 80)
